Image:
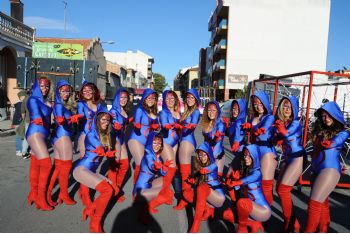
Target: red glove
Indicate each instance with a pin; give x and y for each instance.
(168, 162)
(178, 126)
(233, 183)
(117, 126)
(38, 121)
(191, 126)
(137, 125)
(203, 171)
(110, 153)
(60, 120)
(236, 175)
(235, 146)
(281, 128)
(100, 151)
(226, 121)
(259, 131)
(75, 118)
(217, 135)
(131, 119)
(246, 126)
(155, 126)
(190, 181)
(157, 165)
(280, 142)
(326, 144)
(167, 126)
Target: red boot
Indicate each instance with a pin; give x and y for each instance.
(255, 226)
(267, 186)
(228, 215)
(64, 168)
(136, 174)
(203, 191)
(208, 212)
(244, 208)
(168, 178)
(53, 179)
(185, 171)
(284, 192)
(325, 217)
(123, 169)
(33, 180)
(84, 194)
(232, 194)
(97, 208)
(313, 215)
(165, 196)
(45, 168)
(112, 175)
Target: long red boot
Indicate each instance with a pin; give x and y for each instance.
(232, 194)
(255, 226)
(187, 192)
(228, 215)
(244, 208)
(112, 175)
(63, 176)
(136, 174)
(97, 208)
(45, 168)
(165, 196)
(313, 215)
(167, 180)
(53, 179)
(267, 186)
(284, 193)
(325, 217)
(203, 191)
(123, 169)
(84, 194)
(33, 180)
(208, 212)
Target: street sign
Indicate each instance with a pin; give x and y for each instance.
(57, 51)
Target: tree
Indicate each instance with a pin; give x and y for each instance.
(159, 82)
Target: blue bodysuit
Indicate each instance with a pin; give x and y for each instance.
(142, 118)
(38, 110)
(171, 136)
(147, 171)
(212, 177)
(118, 117)
(264, 140)
(188, 134)
(235, 131)
(91, 160)
(329, 157)
(292, 146)
(65, 128)
(251, 184)
(216, 142)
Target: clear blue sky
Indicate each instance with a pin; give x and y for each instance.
(170, 31)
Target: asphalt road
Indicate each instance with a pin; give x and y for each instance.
(17, 216)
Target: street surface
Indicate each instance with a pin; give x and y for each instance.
(17, 216)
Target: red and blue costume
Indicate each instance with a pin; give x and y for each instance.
(235, 131)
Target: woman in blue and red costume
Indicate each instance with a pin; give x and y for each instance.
(188, 123)
(169, 119)
(253, 208)
(62, 143)
(145, 122)
(207, 183)
(149, 184)
(260, 127)
(288, 133)
(89, 102)
(328, 136)
(38, 131)
(119, 166)
(98, 144)
(213, 130)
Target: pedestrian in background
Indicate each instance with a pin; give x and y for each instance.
(18, 122)
(26, 118)
(3, 103)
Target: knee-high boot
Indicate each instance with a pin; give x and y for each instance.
(123, 169)
(53, 179)
(267, 186)
(313, 215)
(164, 196)
(187, 191)
(167, 180)
(203, 191)
(33, 180)
(45, 168)
(84, 194)
(325, 217)
(112, 174)
(136, 174)
(63, 176)
(244, 208)
(290, 221)
(98, 207)
(228, 215)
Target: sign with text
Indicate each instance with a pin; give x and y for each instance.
(57, 51)
(236, 81)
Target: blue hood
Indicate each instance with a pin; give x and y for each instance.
(58, 99)
(295, 106)
(36, 92)
(116, 100)
(149, 143)
(217, 107)
(195, 94)
(101, 109)
(242, 103)
(207, 148)
(255, 154)
(145, 94)
(334, 110)
(164, 105)
(265, 100)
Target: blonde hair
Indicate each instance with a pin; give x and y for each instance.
(188, 110)
(280, 113)
(70, 104)
(206, 123)
(197, 166)
(104, 135)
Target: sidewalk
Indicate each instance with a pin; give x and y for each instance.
(5, 128)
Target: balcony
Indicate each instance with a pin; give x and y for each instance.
(16, 30)
(220, 47)
(219, 65)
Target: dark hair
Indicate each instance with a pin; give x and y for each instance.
(206, 123)
(245, 170)
(255, 113)
(199, 178)
(153, 109)
(321, 129)
(95, 92)
(104, 135)
(159, 136)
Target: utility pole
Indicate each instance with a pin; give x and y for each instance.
(65, 17)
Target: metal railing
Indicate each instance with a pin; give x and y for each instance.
(15, 28)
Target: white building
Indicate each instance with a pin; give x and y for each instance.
(276, 37)
(138, 61)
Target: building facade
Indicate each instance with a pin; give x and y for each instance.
(276, 37)
(186, 79)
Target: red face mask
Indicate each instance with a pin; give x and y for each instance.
(44, 81)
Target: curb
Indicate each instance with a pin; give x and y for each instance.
(6, 133)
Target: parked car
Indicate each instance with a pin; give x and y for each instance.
(226, 109)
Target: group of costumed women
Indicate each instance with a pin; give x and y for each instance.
(162, 143)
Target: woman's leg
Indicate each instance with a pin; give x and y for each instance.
(137, 151)
(54, 176)
(268, 167)
(81, 144)
(168, 153)
(322, 187)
